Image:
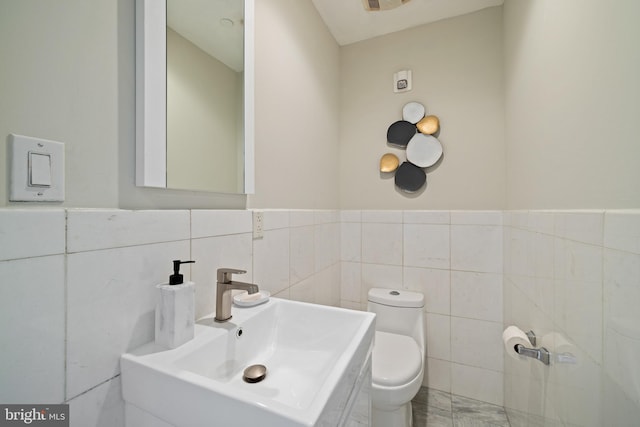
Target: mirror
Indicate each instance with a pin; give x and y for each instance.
(194, 95)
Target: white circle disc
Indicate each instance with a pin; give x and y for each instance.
(413, 112)
(424, 150)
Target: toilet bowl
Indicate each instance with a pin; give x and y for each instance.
(398, 355)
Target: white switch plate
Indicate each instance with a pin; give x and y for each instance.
(20, 190)
(258, 224)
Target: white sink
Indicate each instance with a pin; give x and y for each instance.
(317, 359)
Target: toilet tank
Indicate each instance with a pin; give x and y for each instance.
(399, 312)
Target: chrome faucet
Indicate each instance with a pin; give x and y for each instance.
(223, 292)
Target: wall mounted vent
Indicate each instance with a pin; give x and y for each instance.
(376, 5)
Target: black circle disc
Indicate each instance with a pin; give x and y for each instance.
(400, 133)
(410, 178)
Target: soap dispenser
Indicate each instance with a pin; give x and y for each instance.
(175, 309)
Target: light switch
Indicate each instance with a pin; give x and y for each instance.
(36, 169)
(39, 170)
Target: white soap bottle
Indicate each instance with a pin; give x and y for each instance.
(175, 309)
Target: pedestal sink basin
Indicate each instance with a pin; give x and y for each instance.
(317, 359)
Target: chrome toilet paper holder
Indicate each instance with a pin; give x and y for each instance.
(541, 354)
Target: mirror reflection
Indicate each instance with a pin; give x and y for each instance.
(205, 80)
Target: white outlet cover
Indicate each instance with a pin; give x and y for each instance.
(20, 190)
(258, 224)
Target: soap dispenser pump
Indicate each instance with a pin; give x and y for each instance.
(175, 309)
(176, 278)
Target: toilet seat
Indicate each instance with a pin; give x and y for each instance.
(397, 359)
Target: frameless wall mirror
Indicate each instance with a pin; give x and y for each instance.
(194, 95)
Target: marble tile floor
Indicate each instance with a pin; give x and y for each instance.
(436, 408)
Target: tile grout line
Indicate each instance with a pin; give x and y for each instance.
(66, 304)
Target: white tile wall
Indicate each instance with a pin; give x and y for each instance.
(303, 263)
(438, 374)
(32, 305)
(31, 233)
(476, 295)
(327, 286)
(476, 248)
(578, 293)
(621, 325)
(378, 276)
(574, 277)
(32, 301)
(276, 219)
(101, 274)
(382, 217)
(426, 245)
(426, 217)
(476, 217)
(382, 243)
(585, 226)
(477, 343)
(351, 282)
(351, 241)
(303, 290)
(101, 406)
(622, 231)
(326, 245)
(434, 284)
(271, 261)
(456, 259)
(438, 329)
(209, 223)
(301, 218)
(91, 229)
(326, 216)
(110, 307)
(477, 383)
(351, 216)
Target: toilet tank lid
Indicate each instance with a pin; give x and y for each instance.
(396, 297)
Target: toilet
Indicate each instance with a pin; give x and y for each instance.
(398, 355)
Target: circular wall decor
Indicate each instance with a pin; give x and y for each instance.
(413, 133)
(429, 125)
(400, 133)
(413, 112)
(410, 178)
(389, 163)
(424, 150)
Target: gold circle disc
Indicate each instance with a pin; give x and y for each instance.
(429, 125)
(389, 162)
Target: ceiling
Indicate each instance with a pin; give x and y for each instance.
(349, 22)
(216, 26)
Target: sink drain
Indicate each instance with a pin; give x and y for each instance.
(254, 373)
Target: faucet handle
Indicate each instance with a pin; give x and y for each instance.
(224, 274)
